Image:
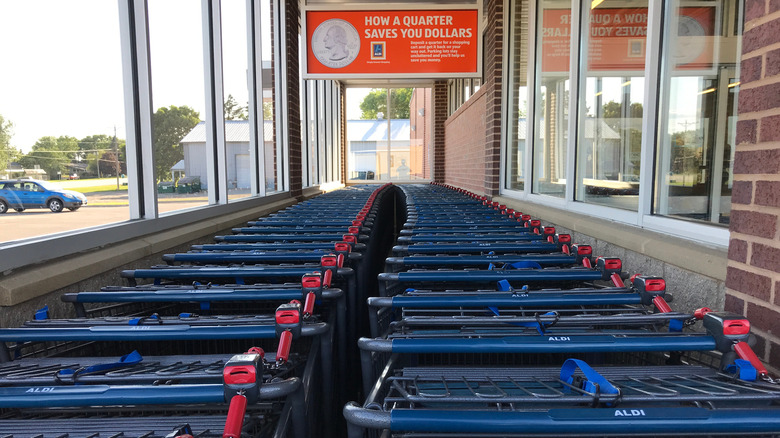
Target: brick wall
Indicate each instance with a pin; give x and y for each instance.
(292, 29)
(439, 117)
(753, 275)
(464, 145)
(494, 45)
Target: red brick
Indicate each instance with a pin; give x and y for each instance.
(749, 283)
(753, 223)
(773, 62)
(766, 257)
(746, 131)
(774, 6)
(738, 250)
(750, 70)
(734, 304)
(754, 9)
(742, 192)
(777, 294)
(765, 318)
(770, 128)
(760, 98)
(752, 162)
(761, 36)
(767, 193)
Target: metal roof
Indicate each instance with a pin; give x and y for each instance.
(236, 131)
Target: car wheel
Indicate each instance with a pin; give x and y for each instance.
(3, 207)
(19, 209)
(73, 208)
(55, 205)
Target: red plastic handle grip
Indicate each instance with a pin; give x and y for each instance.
(308, 307)
(327, 279)
(661, 305)
(285, 342)
(586, 263)
(616, 280)
(744, 351)
(235, 417)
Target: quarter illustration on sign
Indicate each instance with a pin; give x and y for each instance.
(335, 43)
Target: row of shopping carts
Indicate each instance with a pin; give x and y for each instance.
(251, 336)
(489, 324)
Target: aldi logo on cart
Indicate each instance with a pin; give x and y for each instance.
(630, 413)
(41, 389)
(559, 338)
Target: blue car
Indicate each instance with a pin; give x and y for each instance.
(21, 194)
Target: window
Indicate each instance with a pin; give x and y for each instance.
(697, 117)
(517, 98)
(654, 92)
(609, 137)
(552, 97)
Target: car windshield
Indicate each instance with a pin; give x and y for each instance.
(49, 186)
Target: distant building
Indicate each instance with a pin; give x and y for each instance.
(237, 144)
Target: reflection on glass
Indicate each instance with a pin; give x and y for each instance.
(517, 99)
(552, 97)
(610, 123)
(389, 142)
(698, 113)
(62, 111)
(178, 134)
(236, 91)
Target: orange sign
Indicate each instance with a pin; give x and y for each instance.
(618, 38)
(386, 44)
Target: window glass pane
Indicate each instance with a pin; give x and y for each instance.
(552, 97)
(178, 132)
(61, 104)
(517, 101)
(611, 103)
(236, 91)
(697, 120)
(269, 106)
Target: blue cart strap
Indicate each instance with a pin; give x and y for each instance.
(539, 325)
(743, 369)
(504, 286)
(42, 313)
(127, 360)
(594, 382)
(675, 325)
(137, 321)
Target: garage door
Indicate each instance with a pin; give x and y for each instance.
(242, 171)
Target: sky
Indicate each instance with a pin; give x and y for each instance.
(61, 63)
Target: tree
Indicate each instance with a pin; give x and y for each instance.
(375, 102)
(91, 148)
(169, 126)
(53, 155)
(7, 153)
(233, 111)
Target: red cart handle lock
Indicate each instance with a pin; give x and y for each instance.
(648, 287)
(312, 284)
(609, 266)
(243, 375)
(288, 318)
(349, 238)
(583, 253)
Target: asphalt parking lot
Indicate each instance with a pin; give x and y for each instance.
(102, 208)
